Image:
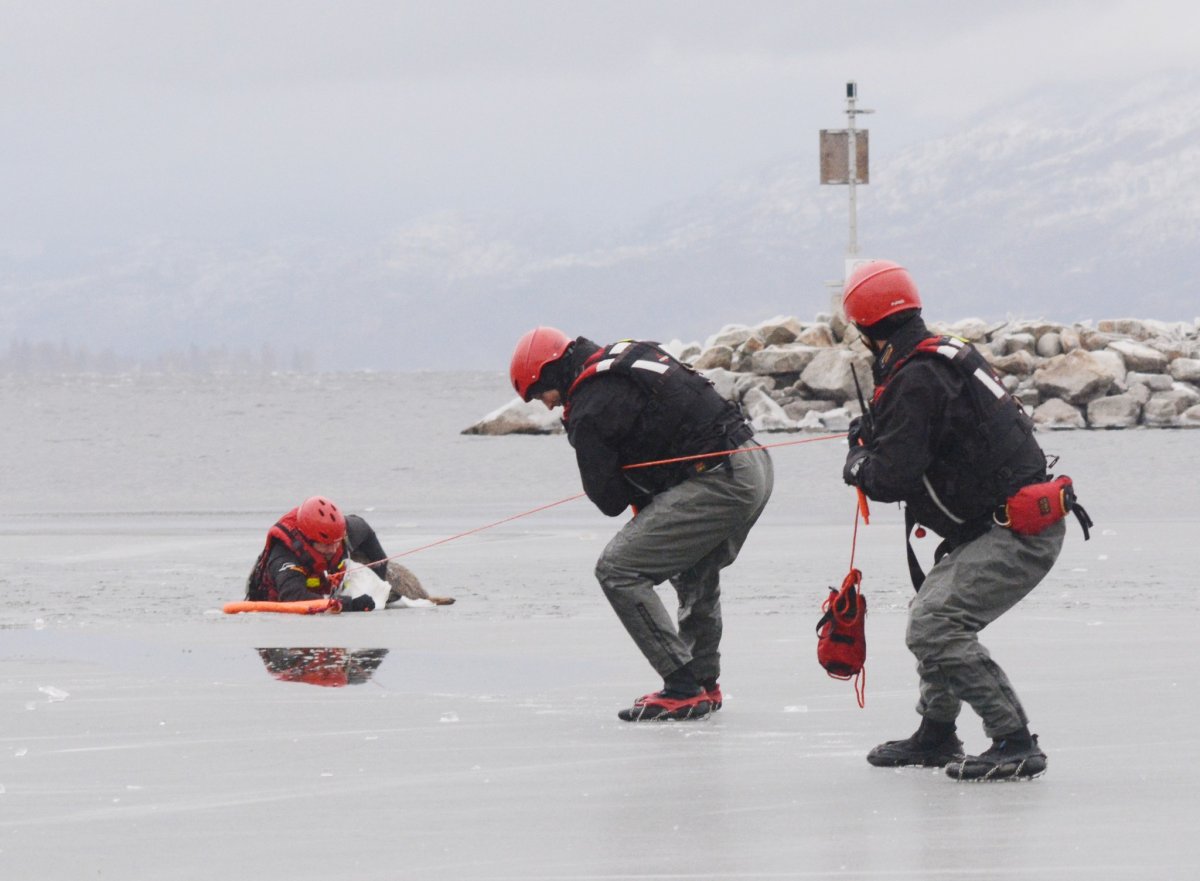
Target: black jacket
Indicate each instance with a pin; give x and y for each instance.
(941, 442)
(617, 418)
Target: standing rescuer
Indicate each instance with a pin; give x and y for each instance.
(631, 403)
(944, 437)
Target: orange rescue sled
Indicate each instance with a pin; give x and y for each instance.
(303, 607)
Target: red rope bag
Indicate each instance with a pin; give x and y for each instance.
(842, 636)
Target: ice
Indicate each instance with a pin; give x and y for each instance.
(482, 737)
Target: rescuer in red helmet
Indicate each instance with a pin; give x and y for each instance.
(308, 548)
(631, 403)
(943, 436)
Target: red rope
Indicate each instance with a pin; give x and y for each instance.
(441, 541)
(807, 440)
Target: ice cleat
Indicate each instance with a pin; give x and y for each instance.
(666, 705)
(932, 745)
(1009, 758)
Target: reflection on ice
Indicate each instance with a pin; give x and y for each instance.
(328, 667)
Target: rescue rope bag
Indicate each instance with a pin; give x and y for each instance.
(842, 636)
(1034, 508)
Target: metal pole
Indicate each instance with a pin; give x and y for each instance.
(852, 112)
(852, 164)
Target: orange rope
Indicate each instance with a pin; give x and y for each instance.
(338, 576)
(442, 541)
(807, 440)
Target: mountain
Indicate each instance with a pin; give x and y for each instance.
(1062, 205)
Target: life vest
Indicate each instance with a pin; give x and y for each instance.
(684, 415)
(261, 583)
(986, 459)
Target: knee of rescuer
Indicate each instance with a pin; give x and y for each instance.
(929, 634)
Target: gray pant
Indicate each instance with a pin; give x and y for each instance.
(688, 535)
(966, 591)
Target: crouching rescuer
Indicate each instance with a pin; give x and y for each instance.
(944, 437)
(625, 405)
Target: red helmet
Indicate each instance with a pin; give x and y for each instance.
(534, 351)
(877, 289)
(321, 520)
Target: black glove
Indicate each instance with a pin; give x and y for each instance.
(363, 603)
(859, 434)
(855, 432)
(852, 471)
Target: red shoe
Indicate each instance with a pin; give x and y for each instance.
(662, 706)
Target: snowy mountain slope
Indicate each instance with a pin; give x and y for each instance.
(1063, 206)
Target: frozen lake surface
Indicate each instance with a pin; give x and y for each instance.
(143, 734)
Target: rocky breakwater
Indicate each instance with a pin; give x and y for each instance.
(791, 375)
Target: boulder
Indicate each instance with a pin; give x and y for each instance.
(1058, 414)
(811, 421)
(743, 382)
(1139, 392)
(1156, 382)
(681, 351)
(1185, 370)
(1139, 357)
(1028, 396)
(1164, 409)
(1172, 348)
(1190, 418)
(819, 335)
(1036, 328)
(725, 382)
(840, 327)
(1111, 363)
(752, 345)
(779, 330)
(839, 419)
(1049, 345)
(1094, 340)
(1021, 363)
(974, 330)
(1019, 342)
(764, 413)
(1069, 337)
(1129, 327)
(799, 408)
(732, 335)
(790, 358)
(828, 376)
(717, 356)
(1115, 411)
(518, 417)
(1075, 378)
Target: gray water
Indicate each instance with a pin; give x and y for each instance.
(141, 734)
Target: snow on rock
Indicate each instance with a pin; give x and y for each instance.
(518, 417)
(1057, 414)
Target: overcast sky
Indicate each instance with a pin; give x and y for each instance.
(259, 118)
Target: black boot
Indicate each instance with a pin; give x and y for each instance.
(932, 745)
(1013, 756)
